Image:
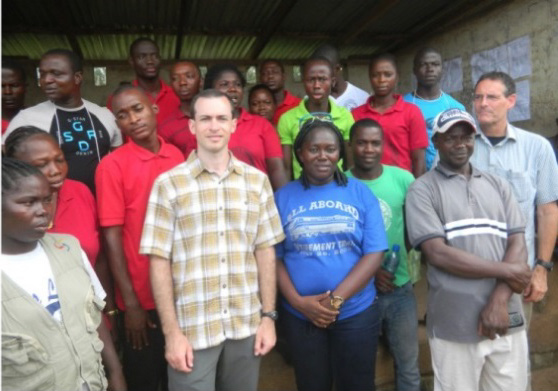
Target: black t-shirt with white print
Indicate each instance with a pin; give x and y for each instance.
(85, 134)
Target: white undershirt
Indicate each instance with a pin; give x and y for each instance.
(32, 272)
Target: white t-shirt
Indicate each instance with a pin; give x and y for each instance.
(352, 97)
(32, 272)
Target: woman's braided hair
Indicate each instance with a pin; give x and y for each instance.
(14, 170)
(307, 128)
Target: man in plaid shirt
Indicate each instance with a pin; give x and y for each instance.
(210, 228)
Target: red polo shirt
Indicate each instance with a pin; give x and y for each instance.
(254, 141)
(76, 214)
(289, 102)
(404, 130)
(124, 179)
(166, 101)
(175, 130)
(5, 124)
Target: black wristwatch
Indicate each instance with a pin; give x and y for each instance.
(547, 265)
(274, 315)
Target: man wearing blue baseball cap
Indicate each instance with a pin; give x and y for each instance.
(471, 230)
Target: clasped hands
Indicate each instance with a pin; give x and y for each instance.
(318, 309)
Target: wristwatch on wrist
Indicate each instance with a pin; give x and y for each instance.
(274, 315)
(336, 301)
(548, 265)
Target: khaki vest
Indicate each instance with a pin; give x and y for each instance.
(38, 353)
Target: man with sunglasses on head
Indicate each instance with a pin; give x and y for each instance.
(318, 77)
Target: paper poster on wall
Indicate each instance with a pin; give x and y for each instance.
(521, 110)
(519, 51)
(452, 76)
(514, 58)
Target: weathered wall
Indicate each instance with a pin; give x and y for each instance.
(536, 18)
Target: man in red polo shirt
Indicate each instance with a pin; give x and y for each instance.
(404, 127)
(272, 74)
(185, 81)
(144, 59)
(123, 180)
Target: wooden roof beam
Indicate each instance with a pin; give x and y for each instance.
(275, 21)
(185, 7)
(63, 18)
(374, 14)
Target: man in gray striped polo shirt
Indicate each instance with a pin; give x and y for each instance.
(471, 230)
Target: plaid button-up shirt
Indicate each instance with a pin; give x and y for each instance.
(209, 227)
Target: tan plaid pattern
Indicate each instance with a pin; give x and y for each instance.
(209, 227)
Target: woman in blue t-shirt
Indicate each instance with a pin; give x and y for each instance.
(334, 244)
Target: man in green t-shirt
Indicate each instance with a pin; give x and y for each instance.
(397, 304)
(317, 77)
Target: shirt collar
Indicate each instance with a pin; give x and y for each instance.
(335, 111)
(289, 99)
(397, 106)
(449, 173)
(64, 194)
(162, 91)
(243, 116)
(511, 134)
(145, 154)
(197, 167)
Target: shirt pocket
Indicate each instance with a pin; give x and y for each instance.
(25, 364)
(522, 187)
(93, 311)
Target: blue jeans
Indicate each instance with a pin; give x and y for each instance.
(345, 352)
(398, 317)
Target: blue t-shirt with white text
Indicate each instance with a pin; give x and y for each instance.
(328, 229)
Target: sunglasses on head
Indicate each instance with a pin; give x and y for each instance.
(316, 116)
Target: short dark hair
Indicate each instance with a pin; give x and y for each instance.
(503, 77)
(301, 137)
(15, 139)
(315, 59)
(327, 51)
(139, 40)
(126, 87)
(76, 63)
(365, 123)
(422, 52)
(258, 87)
(14, 170)
(8, 63)
(210, 93)
(382, 57)
(215, 72)
(274, 61)
(186, 62)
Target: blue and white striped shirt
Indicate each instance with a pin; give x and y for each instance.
(527, 162)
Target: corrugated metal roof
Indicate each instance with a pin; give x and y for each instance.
(216, 47)
(32, 45)
(239, 30)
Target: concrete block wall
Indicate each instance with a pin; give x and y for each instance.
(536, 18)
